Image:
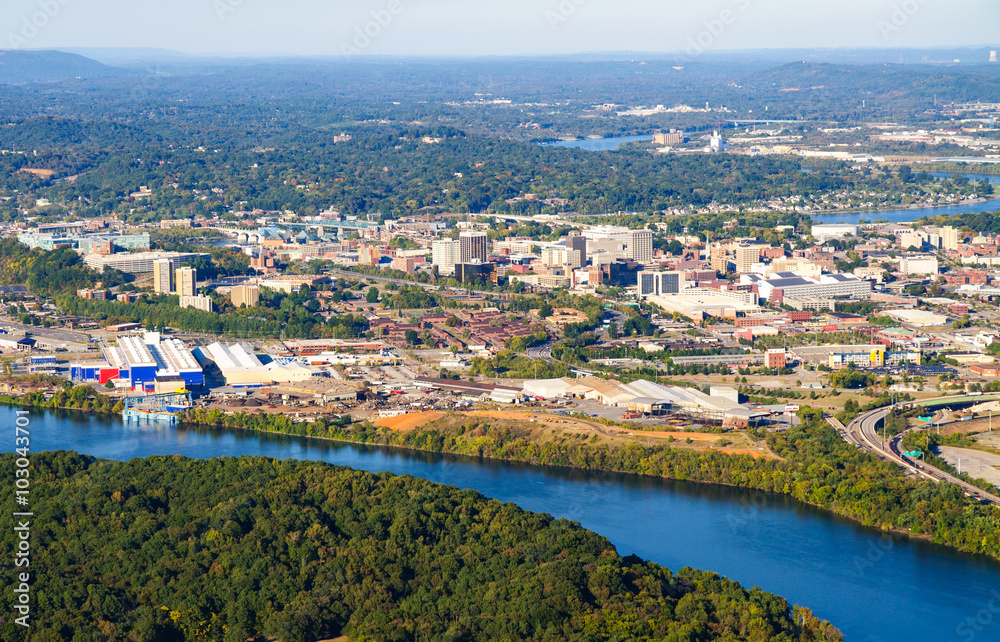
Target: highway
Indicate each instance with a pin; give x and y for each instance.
(532, 219)
(543, 351)
(53, 334)
(863, 431)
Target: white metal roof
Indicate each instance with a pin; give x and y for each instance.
(136, 352)
(234, 357)
(173, 356)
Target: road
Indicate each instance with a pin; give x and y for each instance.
(532, 219)
(617, 318)
(55, 334)
(543, 351)
(863, 431)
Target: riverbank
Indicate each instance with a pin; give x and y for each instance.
(911, 206)
(370, 557)
(811, 556)
(486, 457)
(817, 468)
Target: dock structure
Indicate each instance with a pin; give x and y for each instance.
(161, 408)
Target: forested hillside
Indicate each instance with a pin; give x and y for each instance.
(816, 467)
(173, 549)
(395, 139)
(21, 67)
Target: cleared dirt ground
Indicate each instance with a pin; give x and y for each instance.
(544, 427)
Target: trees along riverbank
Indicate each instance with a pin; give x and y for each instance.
(167, 548)
(817, 467)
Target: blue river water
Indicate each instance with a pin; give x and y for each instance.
(873, 587)
(598, 144)
(905, 215)
(908, 215)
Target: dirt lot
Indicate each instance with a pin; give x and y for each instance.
(547, 428)
(974, 426)
(408, 422)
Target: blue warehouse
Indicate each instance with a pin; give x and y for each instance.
(143, 360)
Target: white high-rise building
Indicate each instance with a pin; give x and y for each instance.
(163, 276)
(912, 239)
(640, 245)
(445, 254)
(199, 302)
(473, 246)
(911, 265)
(603, 232)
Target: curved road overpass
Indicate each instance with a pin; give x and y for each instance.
(863, 431)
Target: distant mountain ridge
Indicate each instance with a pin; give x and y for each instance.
(973, 82)
(25, 67)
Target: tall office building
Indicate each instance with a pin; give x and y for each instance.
(369, 255)
(248, 295)
(949, 238)
(473, 246)
(746, 257)
(640, 245)
(558, 257)
(719, 258)
(603, 232)
(445, 254)
(579, 243)
(660, 283)
(163, 276)
(187, 281)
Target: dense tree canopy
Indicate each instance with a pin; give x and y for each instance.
(225, 550)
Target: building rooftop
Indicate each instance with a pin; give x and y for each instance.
(136, 352)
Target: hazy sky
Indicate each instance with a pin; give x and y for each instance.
(476, 27)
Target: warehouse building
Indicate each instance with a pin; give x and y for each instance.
(144, 362)
(783, 285)
(243, 369)
(722, 406)
(697, 303)
(858, 356)
(918, 318)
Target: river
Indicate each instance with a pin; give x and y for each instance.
(908, 215)
(599, 144)
(874, 588)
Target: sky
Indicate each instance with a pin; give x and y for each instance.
(494, 27)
